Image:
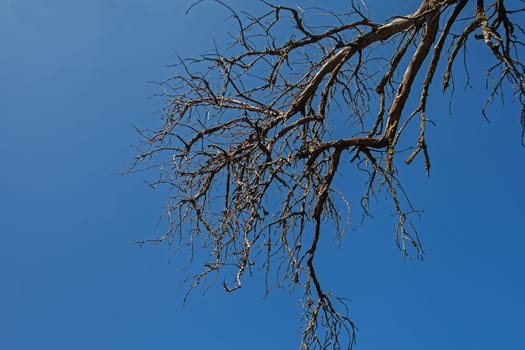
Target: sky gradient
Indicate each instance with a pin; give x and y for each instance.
(73, 82)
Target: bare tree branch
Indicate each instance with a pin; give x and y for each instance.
(254, 134)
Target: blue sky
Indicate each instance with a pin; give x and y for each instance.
(73, 81)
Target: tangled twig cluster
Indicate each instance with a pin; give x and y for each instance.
(254, 133)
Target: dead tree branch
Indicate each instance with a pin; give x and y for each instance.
(254, 134)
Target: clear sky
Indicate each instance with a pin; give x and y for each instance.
(73, 81)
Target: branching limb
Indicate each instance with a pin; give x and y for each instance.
(254, 134)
